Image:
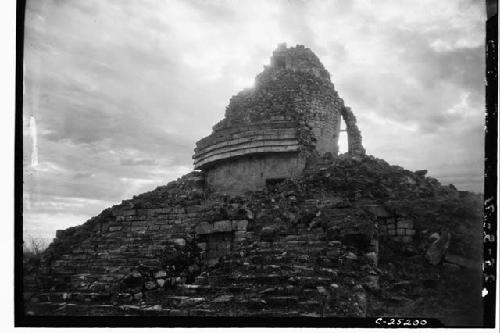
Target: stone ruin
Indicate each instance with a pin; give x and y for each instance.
(269, 131)
(274, 222)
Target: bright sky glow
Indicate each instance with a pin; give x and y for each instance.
(118, 92)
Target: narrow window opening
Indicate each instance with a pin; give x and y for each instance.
(343, 140)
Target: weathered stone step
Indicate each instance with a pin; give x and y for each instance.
(310, 281)
(259, 278)
(183, 301)
(71, 309)
(310, 305)
(281, 301)
(70, 296)
(296, 270)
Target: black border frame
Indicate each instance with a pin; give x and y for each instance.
(490, 222)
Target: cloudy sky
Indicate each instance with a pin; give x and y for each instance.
(116, 92)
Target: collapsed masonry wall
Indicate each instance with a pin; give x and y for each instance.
(354, 139)
(297, 58)
(293, 108)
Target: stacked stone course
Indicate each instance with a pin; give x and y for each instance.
(130, 254)
(293, 111)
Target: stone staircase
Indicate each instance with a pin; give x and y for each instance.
(300, 274)
(301, 271)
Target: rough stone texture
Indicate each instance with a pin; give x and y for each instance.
(189, 254)
(305, 247)
(397, 228)
(251, 172)
(354, 140)
(342, 235)
(292, 112)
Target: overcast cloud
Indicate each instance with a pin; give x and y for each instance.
(118, 92)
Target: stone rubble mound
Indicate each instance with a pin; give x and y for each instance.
(354, 236)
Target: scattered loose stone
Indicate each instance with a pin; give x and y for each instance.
(150, 285)
(351, 256)
(438, 248)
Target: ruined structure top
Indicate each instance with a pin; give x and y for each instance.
(270, 130)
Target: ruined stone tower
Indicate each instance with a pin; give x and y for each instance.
(350, 237)
(269, 131)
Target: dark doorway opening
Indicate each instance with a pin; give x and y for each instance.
(272, 182)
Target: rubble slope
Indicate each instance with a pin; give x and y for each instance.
(354, 236)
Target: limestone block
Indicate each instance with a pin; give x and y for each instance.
(139, 223)
(223, 226)
(263, 244)
(152, 212)
(351, 256)
(240, 225)
(433, 237)
(223, 298)
(129, 212)
(408, 224)
(165, 227)
(150, 285)
(239, 235)
(410, 232)
(372, 258)
(410, 180)
(335, 243)
(154, 227)
(179, 241)
(160, 274)
(204, 228)
(421, 173)
(139, 230)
